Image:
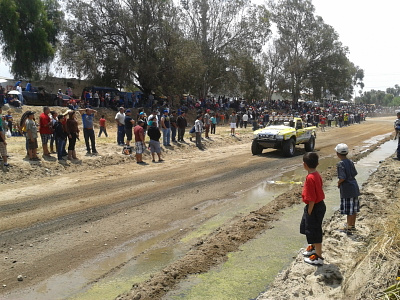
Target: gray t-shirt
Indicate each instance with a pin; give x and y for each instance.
(31, 125)
(346, 170)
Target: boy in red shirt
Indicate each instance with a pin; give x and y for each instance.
(102, 123)
(314, 211)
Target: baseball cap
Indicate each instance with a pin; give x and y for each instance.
(141, 113)
(342, 148)
(28, 113)
(165, 110)
(128, 110)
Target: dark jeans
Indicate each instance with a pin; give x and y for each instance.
(181, 134)
(121, 134)
(213, 128)
(103, 129)
(88, 134)
(173, 133)
(71, 141)
(198, 139)
(398, 147)
(60, 147)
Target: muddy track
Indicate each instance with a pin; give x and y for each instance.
(69, 218)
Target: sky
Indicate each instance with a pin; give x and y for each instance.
(369, 28)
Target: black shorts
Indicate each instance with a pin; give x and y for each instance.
(128, 135)
(311, 225)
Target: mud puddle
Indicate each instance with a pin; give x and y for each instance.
(249, 271)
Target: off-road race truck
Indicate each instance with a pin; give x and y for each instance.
(284, 135)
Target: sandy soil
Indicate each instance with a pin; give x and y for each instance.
(359, 266)
(54, 218)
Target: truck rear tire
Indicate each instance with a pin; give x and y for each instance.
(289, 148)
(309, 146)
(256, 149)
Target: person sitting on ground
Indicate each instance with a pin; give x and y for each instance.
(314, 211)
(155, 134)
(349, 190)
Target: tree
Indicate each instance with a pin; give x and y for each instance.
(313, 59)
(28, 31)
(223, 30)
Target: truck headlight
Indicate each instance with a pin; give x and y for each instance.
(279, 137)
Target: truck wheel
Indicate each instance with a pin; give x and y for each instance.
(309, 146)
(289, 148)
(256, 148)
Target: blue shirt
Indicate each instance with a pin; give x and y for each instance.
(349, 187)
(87, 121)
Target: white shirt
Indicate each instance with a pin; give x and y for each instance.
(120, 118)
(245, 118)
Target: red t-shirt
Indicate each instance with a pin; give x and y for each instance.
(138, 130)
(312, 189)
(44, 121)
(102, 122)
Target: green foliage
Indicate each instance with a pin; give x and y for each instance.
(28, 32)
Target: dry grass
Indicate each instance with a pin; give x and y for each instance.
(388, 247)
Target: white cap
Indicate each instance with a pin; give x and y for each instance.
(342, 149)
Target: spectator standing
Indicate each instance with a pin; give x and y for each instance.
(54, 118)
(96, 99)
(397, 129)
(245, 119)
(73, 134)
(182, 124)
(88, 131)
(60, 135)
(155, 134)
(129, 122)
(9, 120)
(330, 119)
(314, 211)
(207, 123)
(232, 122)
(45, 129)
(213, 123)
(20, 97)
(31, 136)
(102, 124)
(198, 128)
(120, 120)
(166, 128)
(322, 121)
(174, 125)
(3, 143)
(28, 87)
(139, 142)
(349, 190)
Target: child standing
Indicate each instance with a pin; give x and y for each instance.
(349, 191)
(314, 211)
(102, 123)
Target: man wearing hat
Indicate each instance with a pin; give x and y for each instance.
(120, 120)
(129, 122)
(166, 128)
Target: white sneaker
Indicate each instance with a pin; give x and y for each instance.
(314, 260)
(310, 250)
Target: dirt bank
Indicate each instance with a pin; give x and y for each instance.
(359, 266)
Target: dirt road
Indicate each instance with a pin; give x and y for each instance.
(53, 224)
